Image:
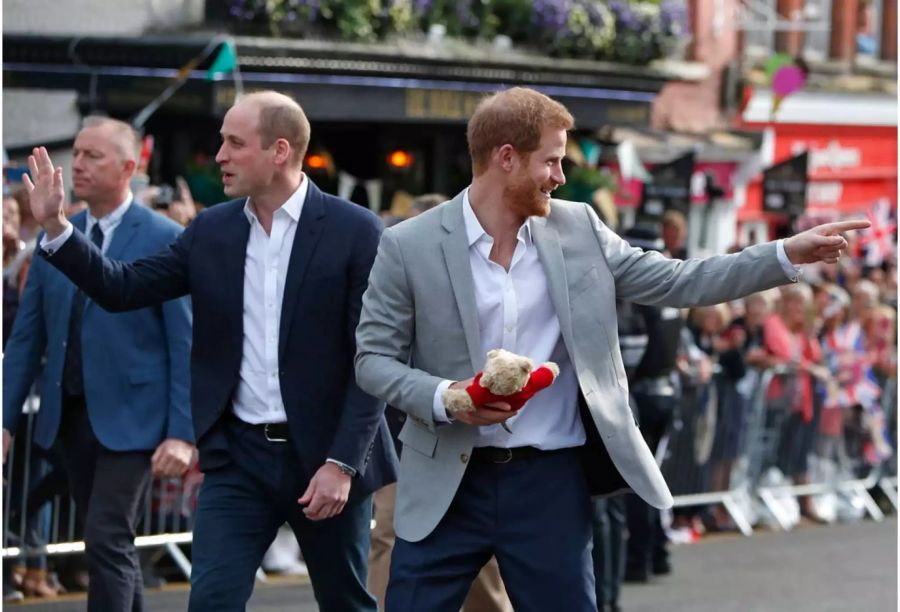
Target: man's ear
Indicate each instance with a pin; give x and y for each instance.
(506, 157)
(283, 151)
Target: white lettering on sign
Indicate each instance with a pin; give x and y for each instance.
(825, 193)
(833, 156)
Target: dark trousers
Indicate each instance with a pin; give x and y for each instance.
(239, 510)
(110, 489)
(534, 515)
(646, 538)
(609, 526)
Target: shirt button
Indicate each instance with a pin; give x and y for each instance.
(464, 458)
(509, 328)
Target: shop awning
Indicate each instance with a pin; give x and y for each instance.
(405, 83)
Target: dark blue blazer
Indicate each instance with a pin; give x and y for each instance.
(136, 364)
(334, 248)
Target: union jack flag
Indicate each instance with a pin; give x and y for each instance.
(880, 238)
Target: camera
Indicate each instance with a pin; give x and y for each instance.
(164, 197)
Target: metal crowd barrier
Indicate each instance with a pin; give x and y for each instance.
(772, 441)
(39, 516)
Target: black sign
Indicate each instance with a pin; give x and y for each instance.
(784, 186)
(670, 188)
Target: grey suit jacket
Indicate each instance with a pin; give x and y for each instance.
(419, 325)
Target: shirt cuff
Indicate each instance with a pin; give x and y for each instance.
(438, 410)
(790, 270)
(52, 246)
(344, 467)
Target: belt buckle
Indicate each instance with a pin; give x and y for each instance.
(269, 437)
(508, 456)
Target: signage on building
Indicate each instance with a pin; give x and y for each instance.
(785, 184)
(670, 188)
(833, 156)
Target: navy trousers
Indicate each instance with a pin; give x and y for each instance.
(534, 515)
(609, 548)
(646, 538)
(239, 510)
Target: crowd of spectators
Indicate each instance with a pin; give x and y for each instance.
(835, 331)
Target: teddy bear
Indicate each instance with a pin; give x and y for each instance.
(506, 377)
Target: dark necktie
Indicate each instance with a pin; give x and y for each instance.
(73, 374)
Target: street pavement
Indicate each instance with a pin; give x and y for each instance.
(840, 568)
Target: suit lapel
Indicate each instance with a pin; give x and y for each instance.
(456, 256)
(232, 237)
(309, 231)
(546, 239)
(125, 232)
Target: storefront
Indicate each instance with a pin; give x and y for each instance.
(364, 101)
(852, 146)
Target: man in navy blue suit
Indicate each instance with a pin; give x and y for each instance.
(115, 386)
(284, 432)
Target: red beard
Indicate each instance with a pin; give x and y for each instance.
(526, 198)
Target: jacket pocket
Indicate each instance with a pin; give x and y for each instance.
(418, 439)
(589, 279)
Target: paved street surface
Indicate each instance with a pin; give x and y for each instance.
(843, 568)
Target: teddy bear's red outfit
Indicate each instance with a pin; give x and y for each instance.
(541, 378)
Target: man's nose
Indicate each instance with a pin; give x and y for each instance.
(559, 177)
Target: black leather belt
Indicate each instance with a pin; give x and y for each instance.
(493, 454)
(273, 432)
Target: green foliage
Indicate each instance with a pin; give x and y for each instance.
(617, 30)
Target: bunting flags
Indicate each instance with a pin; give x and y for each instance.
(225, 62)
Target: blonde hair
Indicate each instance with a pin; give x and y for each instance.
(722, 310)
(797, 290)
(769, 297)
(867, 288)
(281, 117)
(516, 117)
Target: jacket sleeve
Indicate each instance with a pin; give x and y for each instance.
(25, 347)
(648, 277)
(119, 286)
(385, 335)
(361, 413)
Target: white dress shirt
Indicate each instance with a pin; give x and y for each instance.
(108, 225)
(515, 313)
(257, 398)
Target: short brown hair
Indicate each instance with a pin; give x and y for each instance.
(126, 138)
(516, 117)
(281, 117)
(674, 218)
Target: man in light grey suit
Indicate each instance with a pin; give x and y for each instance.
(503, 265)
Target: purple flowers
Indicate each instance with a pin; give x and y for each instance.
(550, 15)
(629, 31)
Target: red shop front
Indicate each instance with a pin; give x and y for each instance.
(850, 168)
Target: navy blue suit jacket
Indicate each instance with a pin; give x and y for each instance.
(334, 248)
(136, 364)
